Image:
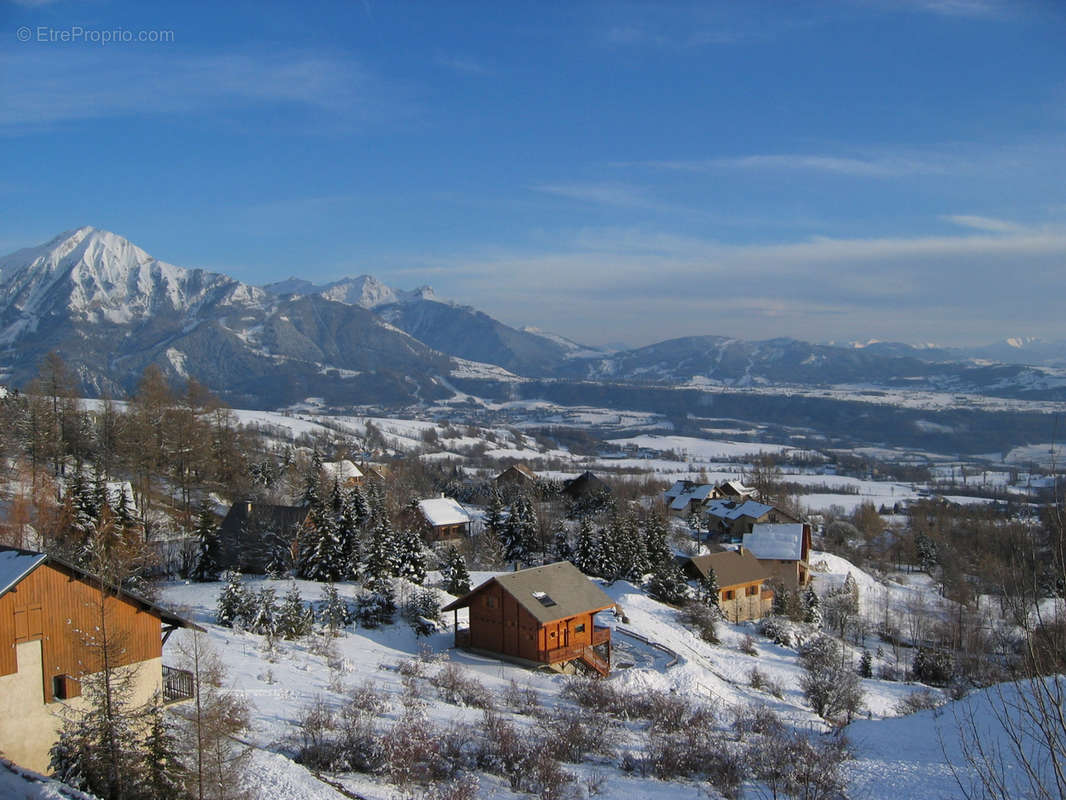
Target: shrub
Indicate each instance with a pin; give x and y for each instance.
(747, 646)
(831, 687)
(777, 631)
(455, 686)
(702, 619)
(919, 700)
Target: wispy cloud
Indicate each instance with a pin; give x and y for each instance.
(663, 285)
(49, 86)
(608, 194)
(885, 167)
(987, 224)
(461, 64)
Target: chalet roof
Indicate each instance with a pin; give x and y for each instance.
(730, 568)
(729, 509)
(583, 484)
(263, 516)
(783, 541)
(16, 564)
(549, 593)
(677, 489)
(342, 470)
(521, 469)
(735, 487)
(698, 493)
(443, 511)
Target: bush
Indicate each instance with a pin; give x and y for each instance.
(455, 686)
(831, 687)
(702, 619)
(920, 700)
(569, 735)
(776, 629)
(747, 646)
(935, 667)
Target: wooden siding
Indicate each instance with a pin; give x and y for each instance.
(63, 611)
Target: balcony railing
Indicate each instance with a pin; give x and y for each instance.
(177, 684)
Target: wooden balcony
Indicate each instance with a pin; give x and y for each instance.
(177, 685)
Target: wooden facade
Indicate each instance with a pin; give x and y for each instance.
(503, 619)
(63, 610)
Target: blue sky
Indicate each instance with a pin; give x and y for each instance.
(614, 172)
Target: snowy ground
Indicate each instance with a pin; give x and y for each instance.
(890, 753)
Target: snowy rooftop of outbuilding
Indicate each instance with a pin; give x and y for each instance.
(342, 470)
(443, 511)
(697, 493)
(783, 540)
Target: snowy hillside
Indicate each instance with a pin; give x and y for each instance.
(653, 652)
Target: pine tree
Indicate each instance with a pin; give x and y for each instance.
(494, 513)
(312, 494)
(321, 553)
(353, 516)
(560, 547)
(668, 585)
(381, 558)
(519, 536)
(376, 604)
(608, 565)
(334, 612)
(233, 602)
(866, 669)
(295, 617)
(812, 612)
(709, 590)
(209, 546)
(587, 556)
(411, 557)
(264, 618)
(165, 775)
(926, 550)
(455, 573)
(658, 552)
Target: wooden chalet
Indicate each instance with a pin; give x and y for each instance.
(343, 472)
(445, 519)
(49, 612)
(584, 485)
(540, 615)
(516, 479)
(784, 549)
(252, 533)
(740, 576)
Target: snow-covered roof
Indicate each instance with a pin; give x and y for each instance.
(697, 493)
(342, 470)
(782, 540)
(16, 565)
(443, 511)
(729, 509)
(738, 487)
(678, 488)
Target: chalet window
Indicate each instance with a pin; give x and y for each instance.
(552, 634)
(728, 594)
(490, 601)
(64, 687)
(753, 590)
(579, 628)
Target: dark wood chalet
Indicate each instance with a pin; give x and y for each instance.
(584, 485)
(251, 534)
(541, 615)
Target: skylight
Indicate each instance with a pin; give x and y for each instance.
(544, 599)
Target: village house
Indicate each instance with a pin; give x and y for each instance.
(584, 485)
(445, 519)
(516, 479)
(740, 576)
(685, 498)
(731, 519)
(343, 472)
(48, 609)
(253, 534)
(783, 548)
(540, 615)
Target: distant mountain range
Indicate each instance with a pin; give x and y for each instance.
(110, 309)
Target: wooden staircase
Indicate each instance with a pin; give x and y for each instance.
(591, 658)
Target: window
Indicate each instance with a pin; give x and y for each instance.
(579, 628)
(64, 687)
(753, 590)
(552, 634)
(728, 594)
(490, 601)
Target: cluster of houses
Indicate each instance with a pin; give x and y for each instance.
(542, 616)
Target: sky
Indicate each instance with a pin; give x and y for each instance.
(619, 173)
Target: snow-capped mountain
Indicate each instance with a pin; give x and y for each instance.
(365, 291)
(111, 309)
